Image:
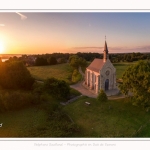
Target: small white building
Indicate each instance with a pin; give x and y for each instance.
(101, 74)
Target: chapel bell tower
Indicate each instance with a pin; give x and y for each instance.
(105, 52)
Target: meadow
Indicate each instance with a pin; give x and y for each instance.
(115, 118)
(40, 120)
(61, 71)
(121, 67)
(21, 122)
(64, 71)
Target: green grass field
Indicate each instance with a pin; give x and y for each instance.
(115, 118)
(20, 123)
(61, 71)
(64, 71)
(121, 67)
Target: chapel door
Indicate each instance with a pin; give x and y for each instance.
(106, 84)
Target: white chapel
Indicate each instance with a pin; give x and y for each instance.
(101, 74)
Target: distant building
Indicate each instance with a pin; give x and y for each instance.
(101, 74)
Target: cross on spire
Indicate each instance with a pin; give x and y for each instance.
(105, 37)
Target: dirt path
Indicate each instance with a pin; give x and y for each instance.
(79, 87)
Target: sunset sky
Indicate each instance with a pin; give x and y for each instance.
(40, 33)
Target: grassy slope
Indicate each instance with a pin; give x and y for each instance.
(61, 71)
(19, 123)
(34, 121)
(115, 118)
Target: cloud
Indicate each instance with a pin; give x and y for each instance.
(2, 25)
(129, 49)
(87, 47)
(116, 49)
(23, 17)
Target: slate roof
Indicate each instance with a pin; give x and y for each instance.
(96, 65)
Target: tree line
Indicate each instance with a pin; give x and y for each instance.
(129, 57)
(58, 58)
(116, 57)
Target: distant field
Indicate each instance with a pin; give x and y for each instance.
(61, 71)
(121, 67)
(115, 118)
(64, 71)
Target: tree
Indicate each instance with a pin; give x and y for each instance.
(62, 60)
(102, 96)
(57, 88)
(40, 61)
(82, 62)
(76, 61)
(14, 75)
(136, 80)
(52, 61)
(76, 76)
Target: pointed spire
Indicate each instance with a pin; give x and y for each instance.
(105, 55)
(105, 47)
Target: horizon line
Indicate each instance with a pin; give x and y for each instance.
(68, 53)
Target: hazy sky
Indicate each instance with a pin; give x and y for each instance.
(32, 33)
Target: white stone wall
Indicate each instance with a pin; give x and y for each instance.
(92, 80)
(111, 77)
(96, 81)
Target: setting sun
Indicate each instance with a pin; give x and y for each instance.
(1, 47)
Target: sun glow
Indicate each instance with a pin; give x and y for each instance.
(1, 47)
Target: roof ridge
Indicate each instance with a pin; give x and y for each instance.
(96, 65)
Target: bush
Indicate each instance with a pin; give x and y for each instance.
(76, 76)
(57, 88)
(102, 96)
(14, 100)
